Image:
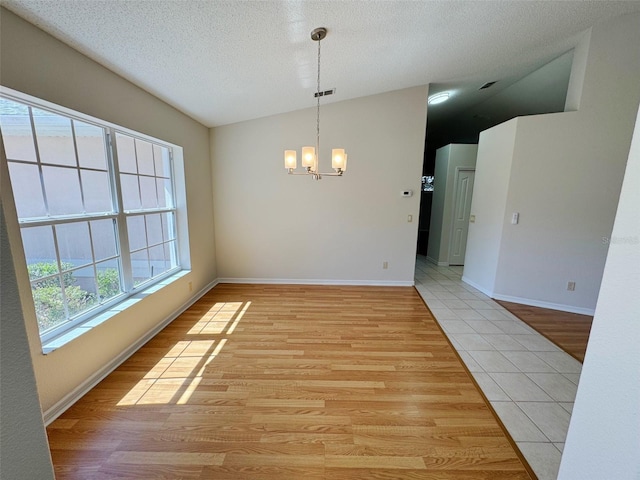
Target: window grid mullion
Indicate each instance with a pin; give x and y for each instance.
(146, 241)
(34, 135)
(75, 151)
(46, 164)
(95, 267)
(155, 176)
(65, 303)
(121, 218)
(135, 151)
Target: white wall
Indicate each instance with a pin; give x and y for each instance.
(437, 205)
(271, 226)
(448, 159)
(493, 170)
(24, 451)
(565, 179)
(604, 434)
(35, 63)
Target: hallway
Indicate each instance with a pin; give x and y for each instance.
(530, 382)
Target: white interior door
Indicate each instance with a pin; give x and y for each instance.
(461, 209)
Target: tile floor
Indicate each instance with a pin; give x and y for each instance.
(530, 382)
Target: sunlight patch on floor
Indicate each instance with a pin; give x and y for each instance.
(177, 375)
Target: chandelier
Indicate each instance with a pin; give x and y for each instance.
(310, 154)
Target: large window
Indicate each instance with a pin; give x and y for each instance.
(96, 209)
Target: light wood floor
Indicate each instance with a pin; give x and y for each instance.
(570, 331)
(288, 382)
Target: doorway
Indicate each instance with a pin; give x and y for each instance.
(463, 192)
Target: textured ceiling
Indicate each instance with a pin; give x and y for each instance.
(226, 61)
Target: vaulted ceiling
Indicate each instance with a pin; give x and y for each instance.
(226, 61)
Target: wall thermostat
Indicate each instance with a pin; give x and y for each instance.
(407, 193)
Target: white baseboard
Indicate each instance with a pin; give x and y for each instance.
(436, 262)
(466, 280)
(298, 281)
(529, 301)
(542, 304)
(72, 397)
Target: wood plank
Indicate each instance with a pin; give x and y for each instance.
(273, 382)
(570, 331)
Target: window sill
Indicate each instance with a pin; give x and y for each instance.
(77, 331)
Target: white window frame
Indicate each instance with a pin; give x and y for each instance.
(178, 209)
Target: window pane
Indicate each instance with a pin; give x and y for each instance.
(140, 266)
(137, 234)
(168, 226)
(63, 190)
(144, 153)
(55, 141)
(170, 255)
(39, 251)
(165, 192)
(148, 191)
(157, 260)
(154, 229)
(91, 145)
(108, 279)
(80, 291)
(161, 159)
(103, 234)
(97, 191)
(74, 244)
(47, 298)
(85, 278)
(126, 153)
(164, 199)
(27, 191)
(130, 192)
(16, 131)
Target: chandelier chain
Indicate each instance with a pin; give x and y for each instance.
(318, 106)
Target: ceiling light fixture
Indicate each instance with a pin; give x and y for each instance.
(310, 154)
(438, 98)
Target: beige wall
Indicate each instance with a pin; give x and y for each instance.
(35, 63)
(271, 226)
(565, 176)
(603, 436)
(24, 452)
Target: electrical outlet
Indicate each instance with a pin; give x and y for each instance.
(571, 286)
(190, 286)
(385, 265)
